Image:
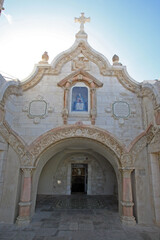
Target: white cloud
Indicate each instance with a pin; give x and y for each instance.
(8, 17)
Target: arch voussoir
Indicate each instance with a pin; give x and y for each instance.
(73, 131)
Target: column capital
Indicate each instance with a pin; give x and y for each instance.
(93, 89)
(27, 171)
(66, 89)
(126, 171)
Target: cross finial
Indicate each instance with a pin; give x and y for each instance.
(82, 20)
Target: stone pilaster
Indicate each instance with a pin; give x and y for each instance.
(65, 110)
(127, 200)
(93, 105)
(25, 199)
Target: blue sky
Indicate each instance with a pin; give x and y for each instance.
(130, 29)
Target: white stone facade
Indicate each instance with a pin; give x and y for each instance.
(118, 132)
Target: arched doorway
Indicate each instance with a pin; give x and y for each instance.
(81, 139)
(78, 165)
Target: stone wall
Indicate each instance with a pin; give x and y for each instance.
(11, 188)
(40, 108)
(56, 176)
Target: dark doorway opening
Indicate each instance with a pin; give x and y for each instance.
(79, 178)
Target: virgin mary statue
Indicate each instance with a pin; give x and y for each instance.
(79, 103)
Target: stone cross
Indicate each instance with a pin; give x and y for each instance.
(82, 20)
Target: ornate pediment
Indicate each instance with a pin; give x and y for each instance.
(80, 53)
(80, 76)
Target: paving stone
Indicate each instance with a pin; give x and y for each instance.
(21, 235)
(85, 227)
(46, 232)
(81, 224)
(73, 226)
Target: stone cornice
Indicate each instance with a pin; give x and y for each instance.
(35, 77)
(126, 80)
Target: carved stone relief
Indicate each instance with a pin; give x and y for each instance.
(37, 109)
(120, 111)
(56, 135)
(80, 63)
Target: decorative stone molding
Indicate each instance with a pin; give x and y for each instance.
(37, 109)
(74, 131)
(126, 160)
(120, 111)
(149, 91)
(142, 141)
(126, 81)
(157, 116)
(80, 63)
(127, 204)
(80, 77)
(35, 78)
(10, 89)
(81, 47)
(27, 171)
(17, 144)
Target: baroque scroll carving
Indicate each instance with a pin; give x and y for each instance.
(82, 48)
(34, 80)
(126, 82)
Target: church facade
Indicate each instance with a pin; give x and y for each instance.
(80, 124)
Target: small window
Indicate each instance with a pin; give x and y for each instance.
(79, 99)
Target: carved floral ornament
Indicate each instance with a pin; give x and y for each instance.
(29, 154)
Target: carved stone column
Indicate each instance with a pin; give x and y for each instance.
(25, 199)
(93, 105)
(127, 200)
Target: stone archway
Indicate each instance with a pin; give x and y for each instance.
(54, 141)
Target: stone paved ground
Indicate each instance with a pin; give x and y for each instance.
(77, 224)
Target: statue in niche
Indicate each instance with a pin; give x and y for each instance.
(80, 99)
